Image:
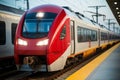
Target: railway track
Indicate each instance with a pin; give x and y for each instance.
(18, 75)
(56, 75)
(68, 71)
(7, 68)
(15, 75)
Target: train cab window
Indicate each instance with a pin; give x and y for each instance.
(13, 30)
(37, 25)
(2, 33)
(63, 33)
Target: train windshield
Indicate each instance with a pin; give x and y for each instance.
(37, 25)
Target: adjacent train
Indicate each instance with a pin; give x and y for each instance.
(9, 18)
(49, 37)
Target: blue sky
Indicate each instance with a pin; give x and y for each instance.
(77, 5)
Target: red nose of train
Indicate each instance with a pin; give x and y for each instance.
(35, 36)
(31, 53)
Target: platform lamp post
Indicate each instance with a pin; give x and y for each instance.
(16, 3)
(117, 29)
(109, 23)
(113, 23)
(27, 4)
(97, 7)
(94, 14)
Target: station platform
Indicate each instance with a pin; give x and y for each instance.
(104, 67)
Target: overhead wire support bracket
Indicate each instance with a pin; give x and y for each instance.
(97, 7)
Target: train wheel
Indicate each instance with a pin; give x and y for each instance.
(80, 57)
(98, 50)
(69, 62)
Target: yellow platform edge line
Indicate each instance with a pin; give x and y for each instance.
(85, 71)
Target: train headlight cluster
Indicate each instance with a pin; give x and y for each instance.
(22, 42)
(41, 43)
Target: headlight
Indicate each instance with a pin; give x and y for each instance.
(22, 42)
(41, 43)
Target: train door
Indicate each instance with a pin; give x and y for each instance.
(72, 25)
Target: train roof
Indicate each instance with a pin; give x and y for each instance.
(70, 12)
(85, 19)
(11, 9)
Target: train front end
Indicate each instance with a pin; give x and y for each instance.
(34, 38)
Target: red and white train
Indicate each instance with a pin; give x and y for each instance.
(49, 37)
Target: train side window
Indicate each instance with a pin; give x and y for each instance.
(63, 33)
(2, 33)
(79, 36)
(85, 34)
(93, 35)
(82, 35)
(13, 28)
(88, 35)
(104, 36)
(109, 36)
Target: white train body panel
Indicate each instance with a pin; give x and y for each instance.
(7, 49)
